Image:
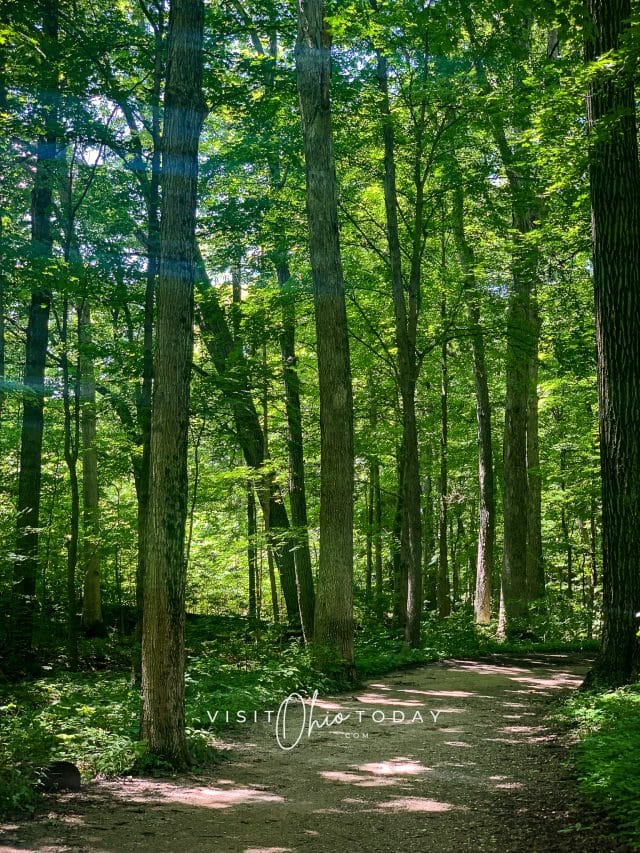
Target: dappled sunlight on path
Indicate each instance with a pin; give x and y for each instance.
(450, 757)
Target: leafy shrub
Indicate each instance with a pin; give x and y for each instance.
(65, 717)
(25, 746)
(607, 754)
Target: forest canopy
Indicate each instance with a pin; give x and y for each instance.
(325, 318)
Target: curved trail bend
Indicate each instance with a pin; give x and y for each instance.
(473, 766)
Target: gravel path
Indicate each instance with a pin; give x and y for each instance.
(448, 757)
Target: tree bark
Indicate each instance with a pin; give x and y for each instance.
(614, 173)
(163, 653)
(406, 321)
(29, 477)
(333, 637)
(443, 583)
(521, 347)
(295, 444)
(91, 602)
(252, 550)
(487, 509)
(519, 354)
(71, 407)
(535, 565)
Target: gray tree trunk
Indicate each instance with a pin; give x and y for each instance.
(516, 487)
(333, 637)
(443, 582)
(91, 602)
(163, 653)
(295, 442)
(406, 321)
(535, 566)
(487, 509)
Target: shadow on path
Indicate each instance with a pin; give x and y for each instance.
(448, 757)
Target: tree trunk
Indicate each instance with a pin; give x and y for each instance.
(333, 637)
(194, 491)
(593, 561)
(252, 551)
(91, 602)
(163, 653)
(520, 348)
(443, 585)
(429, 549)
(516, 482)
(398, 578)
(565, 525)
(297, 491)
(273, 586)
(2, 335)
(29, 477)
(3, 279)
(142, 460)
(71, 406)
(145, 395)
(535, 565)
(368, 581)
(487, 508)
(406, 319)
(377, 538)
(615, 214)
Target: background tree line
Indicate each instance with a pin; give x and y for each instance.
(177, 431)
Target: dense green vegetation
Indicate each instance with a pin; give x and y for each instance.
(607, 755)
(92, 717)
(320, 334)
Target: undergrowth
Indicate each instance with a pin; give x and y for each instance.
(607, 754)
(91, 717)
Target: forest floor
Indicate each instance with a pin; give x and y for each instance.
(475, 765)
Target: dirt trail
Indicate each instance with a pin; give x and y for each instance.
(471, 767)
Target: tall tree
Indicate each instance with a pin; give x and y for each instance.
(443, 583)
(29, 478)
(151, 189)
(163, 653)
(487, 508)
(3, 282)
(521, 509)
(295, 442)
(84, 408)
(333, 637)
(406, 315)
(535, 565)
(71, 408)
(91, 599)
(614, 173)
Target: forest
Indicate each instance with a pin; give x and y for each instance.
(320, 363)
